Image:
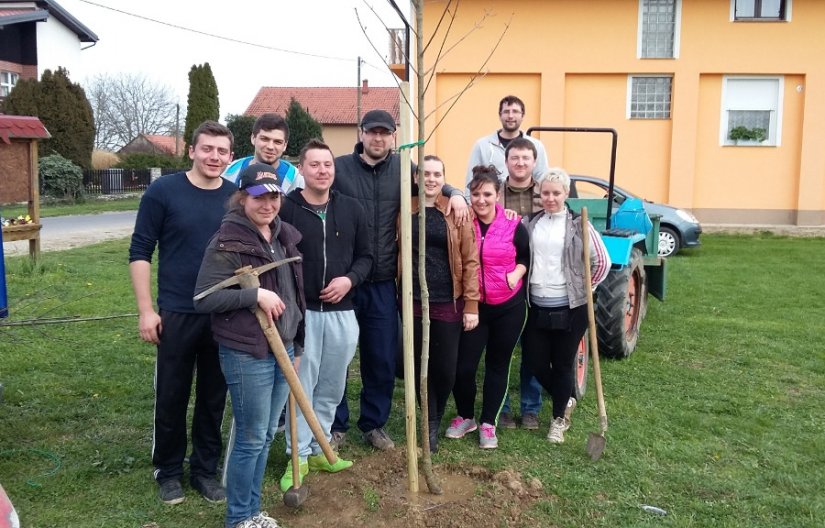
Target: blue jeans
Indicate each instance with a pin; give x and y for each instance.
(530, 389)
(258, 391)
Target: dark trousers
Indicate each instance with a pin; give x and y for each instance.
(551, 353)
(187, 346)
(376, 309)
(444, 339)
(498, 332)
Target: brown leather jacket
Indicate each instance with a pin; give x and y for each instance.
(463, 252)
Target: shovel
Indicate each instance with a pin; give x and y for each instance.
(297, 494)
(595, 442)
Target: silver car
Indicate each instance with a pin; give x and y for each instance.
(677, 228)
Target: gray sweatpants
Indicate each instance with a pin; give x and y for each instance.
(329, 346)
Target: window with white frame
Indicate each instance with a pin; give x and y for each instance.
(751, 111)
(650, 97)
(658, 28)
(7, 81)
(761, 10)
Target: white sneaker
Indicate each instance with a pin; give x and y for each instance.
(568, 412)
(557, 429)
(263, 520)
(460, 427)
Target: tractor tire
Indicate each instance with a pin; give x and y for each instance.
(581, 365)
(619, 308)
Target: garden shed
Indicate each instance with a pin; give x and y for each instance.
(19, 174)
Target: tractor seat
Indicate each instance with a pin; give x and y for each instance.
(619, 233)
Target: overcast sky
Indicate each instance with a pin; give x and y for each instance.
(300, 42)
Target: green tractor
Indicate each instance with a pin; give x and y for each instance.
(631, 237)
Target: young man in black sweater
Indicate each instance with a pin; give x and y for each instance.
(179, 213)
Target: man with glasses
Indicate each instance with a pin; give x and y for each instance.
(489, 150)
(372, 175)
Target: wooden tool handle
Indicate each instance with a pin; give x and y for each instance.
(591, 317)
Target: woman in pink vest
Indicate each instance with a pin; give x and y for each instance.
(504, 254)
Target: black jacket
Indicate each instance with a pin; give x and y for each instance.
(340, 250)
(238, 243)
(378, 189)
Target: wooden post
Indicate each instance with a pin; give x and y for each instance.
(406, 291)
(34, 200)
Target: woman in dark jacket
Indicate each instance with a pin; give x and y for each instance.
(251, 234)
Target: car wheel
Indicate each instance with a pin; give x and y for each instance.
(668, 242)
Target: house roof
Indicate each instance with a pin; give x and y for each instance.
(21, 127)
(329, 105)
(40, 10)
(165, 143)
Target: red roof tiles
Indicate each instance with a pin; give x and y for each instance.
(21, 127)
(165, 143)
(329, 106)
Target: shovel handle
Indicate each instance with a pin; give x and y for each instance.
(591, 319)
(293, 436)
(281, 356)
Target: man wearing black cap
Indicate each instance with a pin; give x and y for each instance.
(372, 175)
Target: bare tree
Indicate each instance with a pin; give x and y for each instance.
(423, 77)
(128, 104)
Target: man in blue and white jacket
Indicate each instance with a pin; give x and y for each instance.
(270, 135)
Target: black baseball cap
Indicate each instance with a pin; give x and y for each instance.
(260, 178)
(378, 119)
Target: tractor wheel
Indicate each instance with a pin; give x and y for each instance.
(619, 310)
(582, 362)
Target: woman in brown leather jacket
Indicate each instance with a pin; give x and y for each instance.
(452, 286)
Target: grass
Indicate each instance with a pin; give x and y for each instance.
(91, 205)
(717, 417)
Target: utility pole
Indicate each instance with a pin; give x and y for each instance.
(177, 126)
(358, 103)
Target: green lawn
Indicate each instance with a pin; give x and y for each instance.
(92, 205)
(717, 417)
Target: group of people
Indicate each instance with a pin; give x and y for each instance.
(511, 262)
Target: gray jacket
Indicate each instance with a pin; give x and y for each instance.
(573, 258)
(488, 150)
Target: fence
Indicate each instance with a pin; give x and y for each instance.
(120, 181)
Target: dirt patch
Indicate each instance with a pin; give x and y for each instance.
(375, 493)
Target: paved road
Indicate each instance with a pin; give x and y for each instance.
(65, 232)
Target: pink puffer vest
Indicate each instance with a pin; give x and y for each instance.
(497, 256)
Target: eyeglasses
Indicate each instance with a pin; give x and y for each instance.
(383, 132)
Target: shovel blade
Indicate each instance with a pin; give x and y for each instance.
(595, 445)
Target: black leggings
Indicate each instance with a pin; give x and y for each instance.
(498, 331)
(444, 338)
(551, 354)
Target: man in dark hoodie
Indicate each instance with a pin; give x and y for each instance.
(336, 259)
(372, 175)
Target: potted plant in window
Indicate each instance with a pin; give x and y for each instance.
(742, 135)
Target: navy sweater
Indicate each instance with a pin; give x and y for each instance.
(179, 219)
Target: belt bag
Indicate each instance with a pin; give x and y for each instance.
(552, 319)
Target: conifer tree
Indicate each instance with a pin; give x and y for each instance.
(241, 127)
(302, 127)
(63, 108)
(202, 103)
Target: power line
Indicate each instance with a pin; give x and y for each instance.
(221, 37)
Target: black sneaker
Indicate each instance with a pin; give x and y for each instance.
(171, 492)
(209, 488)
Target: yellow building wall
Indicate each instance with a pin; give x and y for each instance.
(570, 60)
